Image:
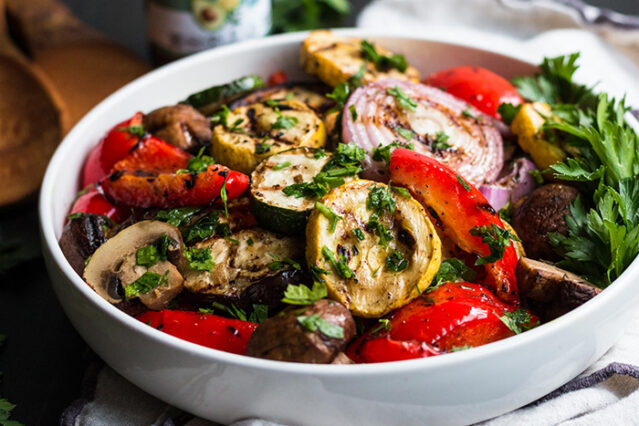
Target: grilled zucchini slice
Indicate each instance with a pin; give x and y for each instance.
(334, 59)
(256, 131)
(272, 208)
(311, 94)
(240, 260)
(368, 276)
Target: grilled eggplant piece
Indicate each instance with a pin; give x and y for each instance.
(334, 59)
(543, 211)
(383, 268)
(255, 131)
(81, 237)
(552, 291)
(180, 125)
(210, 100)
(242, 259)
(284, 337)
(114, 266)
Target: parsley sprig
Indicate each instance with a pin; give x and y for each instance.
(383, 62)
(497, 240)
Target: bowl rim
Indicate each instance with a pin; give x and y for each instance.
(50, 243)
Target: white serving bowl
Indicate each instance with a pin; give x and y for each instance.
(455, 388)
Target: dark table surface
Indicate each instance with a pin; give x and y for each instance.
(44, 359)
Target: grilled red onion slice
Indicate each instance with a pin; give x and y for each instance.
(511, 187)
(371, 117)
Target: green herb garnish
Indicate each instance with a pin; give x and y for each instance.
(497, 240)
(517, 321)
(396, 262)
(340, 266)
(382, 62)
(359, 234)
(315, 322)
(329, 214)
(199, 258)
(281, 166)
(302, 295)
(147, 282)
(452, 270)
(402, 98)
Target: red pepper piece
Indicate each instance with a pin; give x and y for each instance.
(96, 203)
(147, 178)
(278, 77)
(153, 156)
(455, 208)
(478, 86)
(224, 334)
(170, 190)
(453, 315)
(111, 149)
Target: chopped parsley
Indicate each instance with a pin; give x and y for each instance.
(382, 62)
(467, 113)
(77, 215)
(382, 324)
(284, 122)
(281, 166)
(329, 214)
(396, 262)
(405, 133)
(316, 273)
(452, 270)
(302, 295)
(207, 226)
(177, 217)
(152, 254)
(340, 266)
(402, 98)
(278, 263)
(383, 153)
(380, 199)
(221, 116)
(315, 322)
(463, 182)
(353, 112)
(225, 197)
(359, 234)
(258, 315)
(198, 164)
(133, 130)
(517, 321)
(250, 241)
(539, 177)
(199, 258)
(401, 191)
(497, 240)
(439, 143)
(263, 147)
(342, 91)
(147, 282)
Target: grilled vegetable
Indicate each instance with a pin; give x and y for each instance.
(542, 212)
(118, 272)
(271, 206)
(82, 236)
(209, 100)
(239, 260)
(156, 174)
(464, 216)
(224, 334)
(526, 126)
(315, 334)
(94, 202)
(377, 257)
(180, 125)
(334, 59)
(435, 123)
(311, 94)
(558, 291)
(448, 318)
(253, 132)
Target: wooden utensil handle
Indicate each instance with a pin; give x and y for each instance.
(40, 24)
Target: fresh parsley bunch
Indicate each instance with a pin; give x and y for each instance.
(298, 15)
(603, 227)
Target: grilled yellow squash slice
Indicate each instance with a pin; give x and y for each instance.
(254, 132)
(372, 262)
(334, 59)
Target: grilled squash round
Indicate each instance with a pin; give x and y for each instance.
(369, 276)
(254, 132)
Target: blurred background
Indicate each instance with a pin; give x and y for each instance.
(43, 359)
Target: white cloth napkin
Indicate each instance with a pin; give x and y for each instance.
(607, 393)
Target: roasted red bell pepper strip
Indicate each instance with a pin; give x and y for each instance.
(452, 316)
(94, 202)
(478, 86)
(112, 148)
(224, 334)
(148, 177)
(456, 207)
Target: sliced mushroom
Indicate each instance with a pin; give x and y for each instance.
(81, 237)
(113, 266)
(552, 290)
(180, 125)
(284, 338)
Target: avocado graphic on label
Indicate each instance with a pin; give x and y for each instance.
(210, 14)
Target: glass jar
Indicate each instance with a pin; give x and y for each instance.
(177, 28)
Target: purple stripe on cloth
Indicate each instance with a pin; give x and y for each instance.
(591, 380)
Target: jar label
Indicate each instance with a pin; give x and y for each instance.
(187, 26)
